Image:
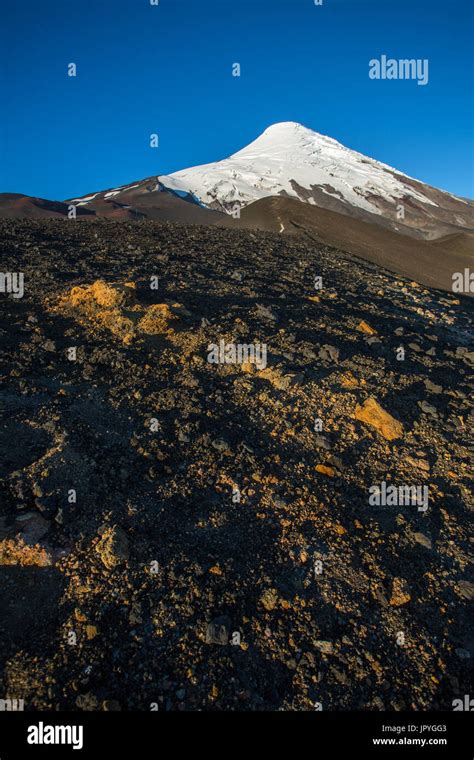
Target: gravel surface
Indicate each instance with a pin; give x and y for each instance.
(178, 534)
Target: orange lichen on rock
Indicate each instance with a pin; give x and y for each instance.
(118, 325)
(102, 305)
(157, 318)
(103, 294)
(366, 328)
(114, 306)
(17, 552)
(372, 414)
(325, 470)
(400, 593)
(349, 380)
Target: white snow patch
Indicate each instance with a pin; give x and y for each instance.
(84, 200)
(289, 152)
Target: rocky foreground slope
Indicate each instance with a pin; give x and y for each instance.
(180, 534)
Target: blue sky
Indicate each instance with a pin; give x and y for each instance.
(143, 69)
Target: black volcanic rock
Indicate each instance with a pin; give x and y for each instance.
(186, 492)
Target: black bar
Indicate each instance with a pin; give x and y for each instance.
(316, 734)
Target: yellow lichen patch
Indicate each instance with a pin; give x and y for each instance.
(114, 306)
(349, 380)
(102, 305)
(372, 414)
(224, 479)
(363, 327)
(400, 593)
(103, 294)
(156, 319)
(325, 470)
(17, 552)
(270, 479)
(118, 325)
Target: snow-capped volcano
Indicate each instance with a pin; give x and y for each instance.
(291, 160)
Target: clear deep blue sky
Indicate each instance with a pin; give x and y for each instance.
(167, 69)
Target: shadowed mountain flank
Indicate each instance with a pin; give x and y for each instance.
(431, 263)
